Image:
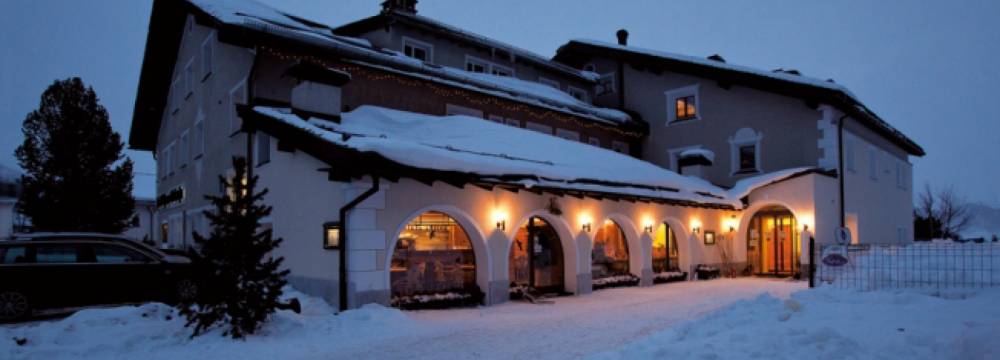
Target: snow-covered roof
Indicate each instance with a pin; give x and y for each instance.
(257, 16)
(850, 104)
(778, 75)
(505, 154)
(705, 153)
(496, 152)
(446, 29)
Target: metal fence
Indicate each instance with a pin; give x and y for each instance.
(934, 265)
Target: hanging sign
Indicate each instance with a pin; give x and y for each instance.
(835, 256)
(843, 236)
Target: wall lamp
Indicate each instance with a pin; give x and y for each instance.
(697, 229)
(648, 228)
(586, 227)
(501, 224)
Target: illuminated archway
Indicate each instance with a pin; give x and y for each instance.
(666, 255)
(433, 264)
(610, 257)
(537, 258)
(773, 242)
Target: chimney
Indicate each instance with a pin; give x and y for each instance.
(622, 37)
(404, 6)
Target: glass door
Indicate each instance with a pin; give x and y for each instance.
(773, 246)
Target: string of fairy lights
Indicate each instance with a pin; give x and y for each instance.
(449, 92)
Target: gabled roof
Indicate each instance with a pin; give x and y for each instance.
(578, 51)
(251, 23)
(389, 17)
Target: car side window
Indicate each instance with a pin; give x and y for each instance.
(56, 254)
(14, 255)
(109, 254)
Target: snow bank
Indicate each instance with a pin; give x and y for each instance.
(833, 324)
(157, 331)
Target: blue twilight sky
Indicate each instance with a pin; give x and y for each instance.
(928, 67)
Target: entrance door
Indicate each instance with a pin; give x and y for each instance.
(773, 245)
(536, 257)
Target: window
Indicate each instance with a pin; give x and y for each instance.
(549, 82)
(497, 119)
(849, 155)
(594, 141)
(577, 93)
(14, 255)
(109, 254)
(182, 152)
(55, 254)
(263, 148)
(238, 95)
(568, 135)
(682, 104)
(900, 175)
(545, 129)
(189, 79)
(512, 122)
(501, 70)
(175, 95)
(620, 147)
(745, 152)
(168, 159)
(451, 109)
(476, 65)
(685, 107)
(748, 158)
(873, 163)
(418, 50)
(198, 140)
(207, 56)
(606, 84)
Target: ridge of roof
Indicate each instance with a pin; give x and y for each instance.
(840, 95)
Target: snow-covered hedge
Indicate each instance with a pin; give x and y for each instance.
(438, 300)
(615, 281)
(669, 276)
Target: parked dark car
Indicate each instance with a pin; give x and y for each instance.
(66, 270)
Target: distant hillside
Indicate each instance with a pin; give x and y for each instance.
(985, 221)
(9, 175)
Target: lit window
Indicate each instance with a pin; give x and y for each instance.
(609, 256)
(433, 254)
(682, 104)
(685, 107)
(418, 50)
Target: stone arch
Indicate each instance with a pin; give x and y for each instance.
(633, 241)
(480, 250)
(566, 240)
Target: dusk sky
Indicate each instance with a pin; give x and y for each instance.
(929, 68)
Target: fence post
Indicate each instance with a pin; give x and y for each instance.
(812, 262)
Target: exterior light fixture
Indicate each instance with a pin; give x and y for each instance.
(648, 228)
(647, 224)
(585, 222)
(500, 217)
(697, 229)
(331, 235)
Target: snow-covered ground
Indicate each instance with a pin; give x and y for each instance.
(742, 318)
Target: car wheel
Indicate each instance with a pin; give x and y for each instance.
(13, 305)
(187, 290)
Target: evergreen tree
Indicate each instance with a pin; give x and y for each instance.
(241, 280)
(76, 178)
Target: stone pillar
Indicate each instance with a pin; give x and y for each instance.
(367, 248)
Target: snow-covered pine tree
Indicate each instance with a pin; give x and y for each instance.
(76, 178)
(241, 280)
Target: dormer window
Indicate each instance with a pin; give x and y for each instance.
(577, 93)
(476, 65)
(418, 50)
